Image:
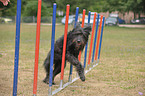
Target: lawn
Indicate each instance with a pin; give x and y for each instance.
(121, 70)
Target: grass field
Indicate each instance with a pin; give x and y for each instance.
(121, 71)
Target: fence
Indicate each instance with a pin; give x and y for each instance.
(29, 19)
(97, 47)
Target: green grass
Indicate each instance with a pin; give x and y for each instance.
(121, 71)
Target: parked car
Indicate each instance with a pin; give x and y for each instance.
(113, 15)
(91, 20)
(70, 21)
(114, 21)
(135, 21)
(110, 21)
(80, 18)
(5, 20)
(121, 21)
(140, 20)
(116, 15)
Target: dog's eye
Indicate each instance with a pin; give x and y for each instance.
(78, 41)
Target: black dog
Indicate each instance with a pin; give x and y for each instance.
(76, 40)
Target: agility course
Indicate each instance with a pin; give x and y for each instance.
(96, 48)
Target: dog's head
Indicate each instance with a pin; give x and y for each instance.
(79, 37)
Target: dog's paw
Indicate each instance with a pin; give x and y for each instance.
(53, 83)
(82, 78)
(81, 74)
(45, 81)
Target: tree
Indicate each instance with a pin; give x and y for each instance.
(29, 7)
(32, 7)
(49, 2)
(82, 4)
(99, 6)
(10, 9)
(136, 6)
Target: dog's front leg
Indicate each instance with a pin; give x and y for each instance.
(74, 61)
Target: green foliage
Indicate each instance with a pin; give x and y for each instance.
(10, 9)
(29, 7)
(82, 4)
(32, 7)
(136, 6)
(99, 6)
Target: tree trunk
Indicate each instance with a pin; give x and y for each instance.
(134, 15)
(139, 15)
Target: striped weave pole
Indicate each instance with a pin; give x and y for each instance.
(64, 45)
(101, 38)
(95, 38)
(71, 67)
(17, 42)
(91, 43)
(98, 39)
(52, 48)
(37, 48)
(83, 19)
(86, 47)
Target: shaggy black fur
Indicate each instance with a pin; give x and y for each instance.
(76, 40)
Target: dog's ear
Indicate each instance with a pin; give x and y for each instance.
(88, 29)
(77, 25)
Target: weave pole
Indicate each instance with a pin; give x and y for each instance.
(101, 39)
(86, 47)
(71, 66)
(95, 38)
(83, 19)
(91, 43)
(64, 45)
(98, 39)
(76, 17)
(17, 43)
(37, 48)
(52, 48)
